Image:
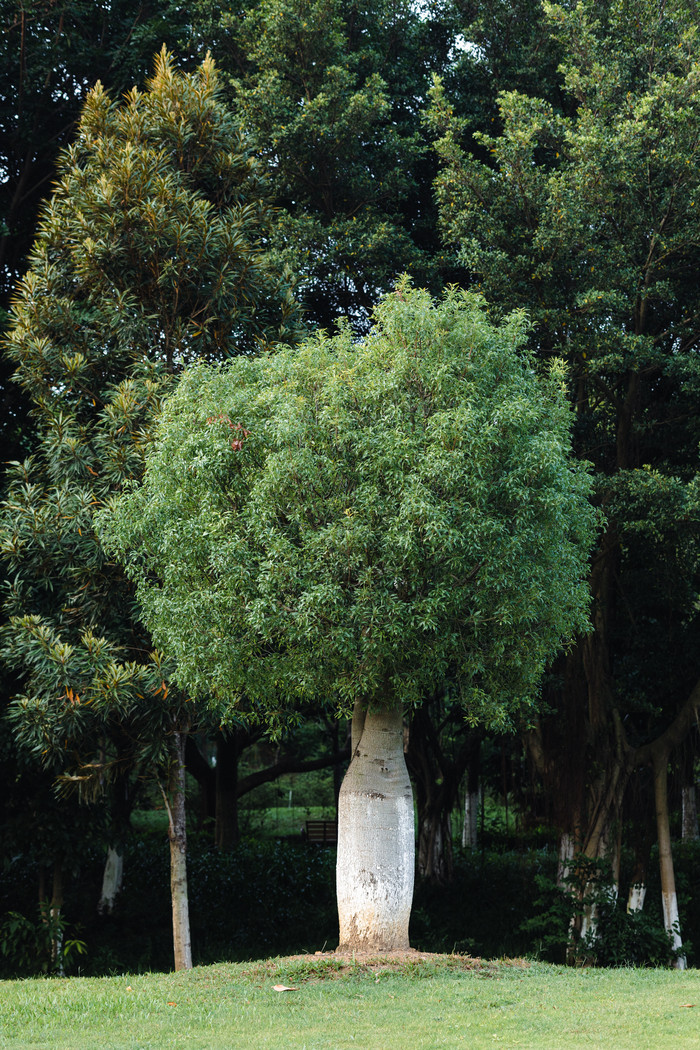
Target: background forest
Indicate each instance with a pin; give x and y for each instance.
(545, 155)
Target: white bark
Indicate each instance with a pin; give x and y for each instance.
(376, 839)
(669, 899)
(636, 897)
(111, 881)
(566, 852)
(470, 828)
(669, 902)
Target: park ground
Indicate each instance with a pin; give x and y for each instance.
(328, 1002)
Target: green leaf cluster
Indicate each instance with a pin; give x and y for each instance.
(374, 521)
(331, 94)
(151, 252)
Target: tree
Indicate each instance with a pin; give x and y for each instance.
(584, 213)
(151, 252)
(331, 94)
(51, 54)
(357, 526)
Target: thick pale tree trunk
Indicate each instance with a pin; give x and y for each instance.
(376, 837)
(669, 899)
(177, 835)
(111, 880)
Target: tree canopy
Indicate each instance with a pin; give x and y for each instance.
(150, 253)
(340, 522)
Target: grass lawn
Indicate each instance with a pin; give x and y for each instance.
(451, 1004)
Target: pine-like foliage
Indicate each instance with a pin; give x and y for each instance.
(150, 253)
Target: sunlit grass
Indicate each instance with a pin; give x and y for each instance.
(456, 1004)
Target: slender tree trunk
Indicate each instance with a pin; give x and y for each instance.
(565, 854)
(177, 835)
(636, 897)
(470, 828)
(669, 899)
(642, 820)
(55, 912)
(435, 839)
(472, 799)
(376, 838)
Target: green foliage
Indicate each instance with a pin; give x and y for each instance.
(331, 94)
(339, 522)
(150, 253)
(30, 947)
(580, 207)
(618, 938)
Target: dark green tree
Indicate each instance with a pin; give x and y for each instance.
(585, 213)
(331, 94)
(51, 54)
(358, 526)
(150, 253)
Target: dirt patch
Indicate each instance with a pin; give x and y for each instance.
(327, 965)
(373, 960)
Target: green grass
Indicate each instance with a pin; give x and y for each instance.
(275, 822)
(448, 1006)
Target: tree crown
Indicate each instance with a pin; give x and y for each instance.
(377, 521)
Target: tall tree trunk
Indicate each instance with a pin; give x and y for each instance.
(669, 899)
(642, 820)
(122, 799)
(565, 854)
(436, 771)
(435, 838)
(177, 835)
(472, 798)
(376, 838)
(55, 916)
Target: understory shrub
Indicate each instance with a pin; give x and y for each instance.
(277, 897)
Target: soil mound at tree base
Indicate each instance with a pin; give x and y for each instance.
(322, 965)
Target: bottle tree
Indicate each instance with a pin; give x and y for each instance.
(582, 209)
(358, 525)
(150, 253)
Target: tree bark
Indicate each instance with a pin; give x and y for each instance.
(472, 799)
(177, 835)
(435, 841)
(669, 898)
(376, 838)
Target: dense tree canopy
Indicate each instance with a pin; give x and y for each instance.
(343, 522)
(150, 252)
(582, 210)
(566, 140)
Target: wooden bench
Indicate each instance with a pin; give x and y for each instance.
(322, 832)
